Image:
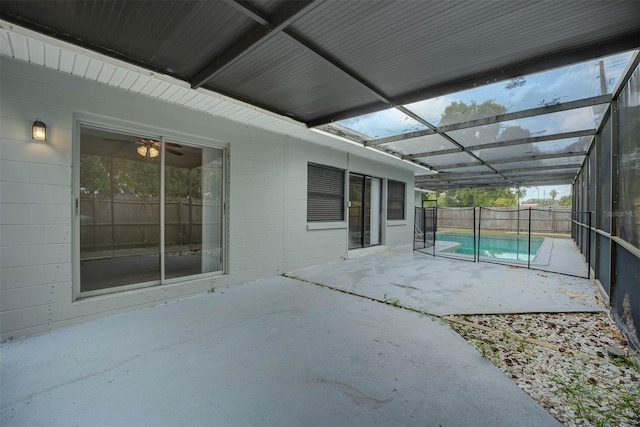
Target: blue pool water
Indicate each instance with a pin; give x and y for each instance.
(501, 247)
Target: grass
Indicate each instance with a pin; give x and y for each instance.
(391, 301)
(594, 405)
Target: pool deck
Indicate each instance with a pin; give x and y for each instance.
(558, 255)
(443, 286)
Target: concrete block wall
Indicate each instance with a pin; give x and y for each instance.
(267, 228)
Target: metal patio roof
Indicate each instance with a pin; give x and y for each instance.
(323, 62)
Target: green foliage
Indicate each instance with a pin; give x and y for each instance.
(515, 132)
(593, 404)
(391, 301)
(135, 178)
(94, 172)
(481, 346)
(183, 182)
(458, 112)
(429, 199)
(550, 201)
(478, 197)
(502, 202)
(102, 175)
(565, 200)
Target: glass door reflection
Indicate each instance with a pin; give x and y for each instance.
(364, 211)
(119, 208)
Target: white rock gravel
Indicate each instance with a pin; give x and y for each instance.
(561, 361)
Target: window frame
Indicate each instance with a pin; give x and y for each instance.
(394, 197)
(126, 128)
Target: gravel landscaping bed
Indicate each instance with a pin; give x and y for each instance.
(578, 366)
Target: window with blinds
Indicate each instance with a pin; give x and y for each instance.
(325, 193)
(395, 200)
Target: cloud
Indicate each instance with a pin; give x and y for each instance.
(563, 84)
(432, 109)
(383, 123)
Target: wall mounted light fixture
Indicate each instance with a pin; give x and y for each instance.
(39, 130)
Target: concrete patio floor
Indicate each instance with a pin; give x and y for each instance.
(443, 286)
(277, 351)
(284, 351)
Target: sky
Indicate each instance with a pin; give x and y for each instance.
(578, 81)
(544, 191)
(564, 84)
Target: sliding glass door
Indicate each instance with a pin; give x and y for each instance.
(193, 212)
(364, 211)
(149, 210)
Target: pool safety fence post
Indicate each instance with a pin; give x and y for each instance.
(589, 245)
(431, 239)
(435, 221)
(417, 228)
(529, 242)
(424, 227)
(434, 218)
(476, 255)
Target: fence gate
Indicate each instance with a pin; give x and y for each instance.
(424, 230)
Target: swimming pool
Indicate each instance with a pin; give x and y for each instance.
(492, 246)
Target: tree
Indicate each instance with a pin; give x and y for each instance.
(94, 175)
(516, 132)
(520, 193)
(458, 112)
(565, 200)
(100, 176)
(502, 202)
(478, 197)
(553, 194)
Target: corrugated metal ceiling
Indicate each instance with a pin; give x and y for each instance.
(402, 49)
(322, 61)
(46, 52)
(176, 38)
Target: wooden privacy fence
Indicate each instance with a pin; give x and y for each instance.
(555, 220)
(127, 222)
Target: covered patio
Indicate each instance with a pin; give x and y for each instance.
(285, 322)
(463, 95)
(286, 351)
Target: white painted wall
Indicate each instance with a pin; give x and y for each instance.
(268, 232)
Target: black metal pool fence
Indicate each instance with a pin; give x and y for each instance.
(509, 236)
